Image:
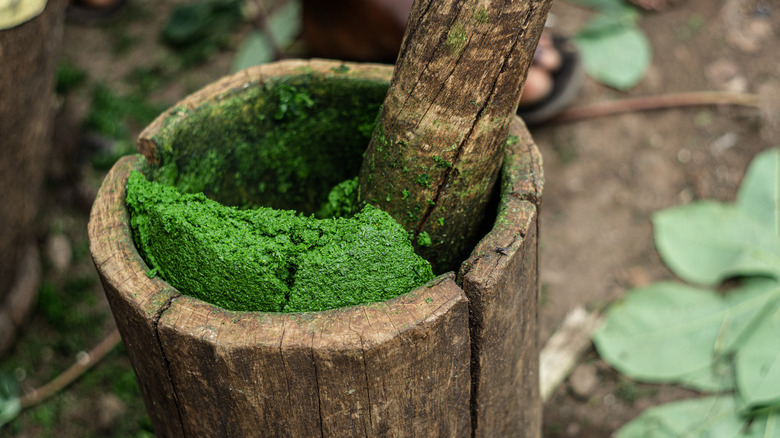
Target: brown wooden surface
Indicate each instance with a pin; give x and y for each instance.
(501, 281)
(136, 300)
(428, 362)
(29, 54)
(373, 370)
(436, 151)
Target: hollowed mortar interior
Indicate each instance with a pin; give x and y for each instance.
(283, 144)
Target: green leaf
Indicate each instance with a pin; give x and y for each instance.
(707, 242)
(198, 29)
(753, 301)
(283, 27)
(664, 332)
(671, 332)
(711, 417)
(256, 49)
(10, 405)
(747, 306)
(610, 21)
(613, 52)
(284, 24)
(603, 5)
(757, 365)
(717, 377)
(759, 193)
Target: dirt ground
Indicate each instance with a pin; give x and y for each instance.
(604, 178)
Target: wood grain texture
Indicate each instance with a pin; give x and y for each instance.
(28, 58)
(437, 361)
(437, 149)
(374, 370)
(500, 279)
(136, 300)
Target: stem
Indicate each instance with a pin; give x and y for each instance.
(72, 373)
(675, 100)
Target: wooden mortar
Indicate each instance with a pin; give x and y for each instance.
(456, 356)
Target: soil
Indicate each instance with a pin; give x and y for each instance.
(604, 179)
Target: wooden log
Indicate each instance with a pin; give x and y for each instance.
(500, 279)
(428, 362)
(28, 56)
(436, 151)
(136, 300)
(378, 369)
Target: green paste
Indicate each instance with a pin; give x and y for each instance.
(267, 259)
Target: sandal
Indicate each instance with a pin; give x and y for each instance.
(567, 82)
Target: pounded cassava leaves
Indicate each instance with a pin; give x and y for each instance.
(270, 260)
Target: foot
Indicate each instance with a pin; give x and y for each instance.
(554, 80)
(372, 30)
(539, 83)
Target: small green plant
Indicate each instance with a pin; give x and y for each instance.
(726, 344)
(628, 391)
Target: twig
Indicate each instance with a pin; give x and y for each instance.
(82, 364)
(564, 349)
(645, 103)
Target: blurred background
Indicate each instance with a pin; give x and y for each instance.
(116, 68)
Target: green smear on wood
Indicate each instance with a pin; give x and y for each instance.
(482, 15)
(423, 239)
(457, 39)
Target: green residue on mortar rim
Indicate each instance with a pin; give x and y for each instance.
(267, 259)
(424, 180)
(457, 39)
(292, 100)
(441, 162)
